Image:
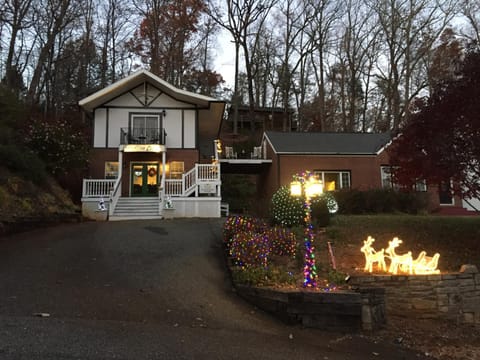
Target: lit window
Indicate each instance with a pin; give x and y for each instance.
(334, 180)
(111, 169)
(176, 169)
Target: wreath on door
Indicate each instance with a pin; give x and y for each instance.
(152, 171)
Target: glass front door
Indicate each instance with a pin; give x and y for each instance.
(144, 179)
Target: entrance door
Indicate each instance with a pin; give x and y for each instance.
(445, 193)
(144, 179)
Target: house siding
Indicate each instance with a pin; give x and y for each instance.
(98, 157)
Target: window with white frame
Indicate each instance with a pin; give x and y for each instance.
(177, 168)
(145, 126)
(334, 180)
(389, 183)
(111, 169)
(387, 178)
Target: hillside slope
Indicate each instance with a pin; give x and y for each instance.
(24, 204)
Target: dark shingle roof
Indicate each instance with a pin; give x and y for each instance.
(327, 143)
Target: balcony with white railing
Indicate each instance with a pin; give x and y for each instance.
(142, 135)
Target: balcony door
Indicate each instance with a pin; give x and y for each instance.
(144, 179)
(145, 128)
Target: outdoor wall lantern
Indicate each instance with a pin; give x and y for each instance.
(218, 145)
(308, 185)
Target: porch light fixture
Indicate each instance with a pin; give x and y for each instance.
(310, 186)
(164, 113)
(218, 145)
(155, 148)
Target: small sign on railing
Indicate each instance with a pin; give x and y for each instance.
(207, 188)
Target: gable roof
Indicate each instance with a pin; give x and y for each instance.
(118, 88)
(318, 143)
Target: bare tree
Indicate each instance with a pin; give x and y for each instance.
(409, 31)
(114, 28)
(356, 48)
(54, 19)
(18, 15)
(321, 38)
(470, 10)
(240, 16)
(293, 20)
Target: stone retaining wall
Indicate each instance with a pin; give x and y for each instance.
(454, 296)
(338, 311)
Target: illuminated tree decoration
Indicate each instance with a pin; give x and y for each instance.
(251, 243)
(286, 210)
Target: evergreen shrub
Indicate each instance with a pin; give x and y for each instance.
(381, 201)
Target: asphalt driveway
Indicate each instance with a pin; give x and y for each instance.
(144, 290)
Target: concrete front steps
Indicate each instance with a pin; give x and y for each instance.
(136, 208)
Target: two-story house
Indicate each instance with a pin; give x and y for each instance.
(152, 151)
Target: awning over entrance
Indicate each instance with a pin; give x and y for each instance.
(155, 148)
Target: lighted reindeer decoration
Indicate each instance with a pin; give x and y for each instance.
(422, 265)
(372, 256)
(404, 261)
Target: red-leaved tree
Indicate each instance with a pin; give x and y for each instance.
(441, 141)
(164, 37)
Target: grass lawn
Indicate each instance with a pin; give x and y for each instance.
(456, 239)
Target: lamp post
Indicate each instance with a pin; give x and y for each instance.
(308, 185)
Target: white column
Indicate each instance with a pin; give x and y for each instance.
(120, 163)
(164, 170)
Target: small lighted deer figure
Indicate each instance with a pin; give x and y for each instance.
(404, 261)
(372, 256)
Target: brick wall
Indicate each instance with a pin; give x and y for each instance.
(454, 296)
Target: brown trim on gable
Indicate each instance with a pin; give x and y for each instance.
(160, 92)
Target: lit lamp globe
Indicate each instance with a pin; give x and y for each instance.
(313, 187)
(296, 188)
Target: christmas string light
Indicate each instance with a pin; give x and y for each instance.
(250, 242)
(310, 187)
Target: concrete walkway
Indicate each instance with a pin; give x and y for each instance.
(144, 290)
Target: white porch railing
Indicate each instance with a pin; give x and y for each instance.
(208, 172)
(201, 173)
(188, 184)
(115, 195)
(173, 187)
(97, 187)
